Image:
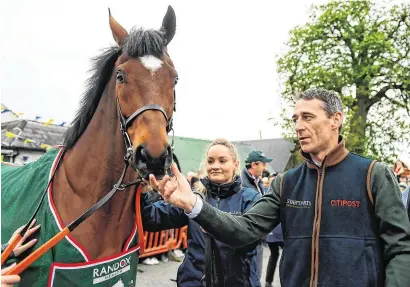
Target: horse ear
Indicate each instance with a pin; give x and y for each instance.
(169, 24)
(118, 32)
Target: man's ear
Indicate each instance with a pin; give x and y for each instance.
(337, 120)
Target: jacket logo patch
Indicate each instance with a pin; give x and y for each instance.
(235, 212)
(345, 203)
(298, 203)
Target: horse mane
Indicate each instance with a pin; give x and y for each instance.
(139, 43)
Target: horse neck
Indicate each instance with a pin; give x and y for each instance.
(96, 161)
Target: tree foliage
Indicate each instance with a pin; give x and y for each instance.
(360, 49)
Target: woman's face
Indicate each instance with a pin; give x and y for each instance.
(220, 164)
(399, 164)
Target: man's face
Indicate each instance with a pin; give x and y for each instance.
(314, 129)
(259, 167)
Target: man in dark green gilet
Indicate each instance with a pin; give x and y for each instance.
(343, 220)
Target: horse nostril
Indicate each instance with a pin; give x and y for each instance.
(164, 154)
(143, 154)
(140, 154)
(145, 162)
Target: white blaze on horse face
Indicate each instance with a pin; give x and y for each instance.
(151, 63)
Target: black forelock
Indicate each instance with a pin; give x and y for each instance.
(142, 42)
(139, 43)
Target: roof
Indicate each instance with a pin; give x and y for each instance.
(279, 149)
(7, 115)
(35, 131)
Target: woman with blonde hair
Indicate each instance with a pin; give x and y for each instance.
(209, 262)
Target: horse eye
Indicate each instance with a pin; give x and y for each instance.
(120, 77)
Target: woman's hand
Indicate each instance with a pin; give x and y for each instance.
(9, 280)
(175, 190)
(21, 247)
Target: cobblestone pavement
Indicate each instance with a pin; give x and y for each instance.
(161, 274)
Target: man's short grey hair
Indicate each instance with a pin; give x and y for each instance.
(331, 99)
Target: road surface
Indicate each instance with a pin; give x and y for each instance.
(161, 274)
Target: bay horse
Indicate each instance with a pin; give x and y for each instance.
(130, 100)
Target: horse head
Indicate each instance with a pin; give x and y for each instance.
(145, 95)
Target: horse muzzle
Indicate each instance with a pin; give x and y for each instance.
(145, 164)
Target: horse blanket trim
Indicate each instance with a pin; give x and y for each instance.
(67, 263)
(60, 225)
(56, 266)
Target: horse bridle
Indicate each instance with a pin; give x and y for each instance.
(124, 122)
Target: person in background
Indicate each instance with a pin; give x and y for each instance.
(255, 165)
(272, 177)
(403, 179)
(405, 193)
(190, 175)
(155, 196)
(265, 173)
(398, 169)
(274, 241)
(208, 261)
(195, 183)
(265, 182)
(402, 186)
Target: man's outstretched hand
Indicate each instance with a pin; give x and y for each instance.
(175, 190)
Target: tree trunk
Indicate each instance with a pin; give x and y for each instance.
(356, 137)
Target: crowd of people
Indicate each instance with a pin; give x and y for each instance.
(336, 207)
(351, 208)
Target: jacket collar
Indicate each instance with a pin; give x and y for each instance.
(245, 172)
(335, 156)
(222, 190)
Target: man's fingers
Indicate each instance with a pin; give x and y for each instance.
(163, 183)
(153, 181)
(169, 189)
(167, 193)
(175, 170)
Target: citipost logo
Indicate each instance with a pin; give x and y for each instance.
(345, 203)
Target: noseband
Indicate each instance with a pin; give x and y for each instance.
(124, 122)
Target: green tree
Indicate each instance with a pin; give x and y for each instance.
(360, 49)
